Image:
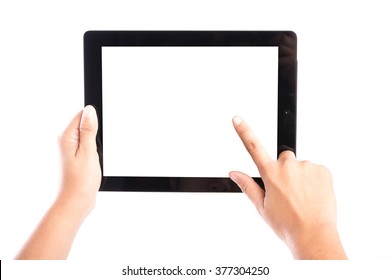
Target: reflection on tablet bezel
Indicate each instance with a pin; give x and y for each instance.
(286, 42)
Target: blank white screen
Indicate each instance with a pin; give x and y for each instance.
(167, 110)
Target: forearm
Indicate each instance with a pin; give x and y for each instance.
(54, 236)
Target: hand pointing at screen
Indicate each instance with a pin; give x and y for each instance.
(299, 203)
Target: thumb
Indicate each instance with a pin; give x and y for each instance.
(250, 188)
(88, 129)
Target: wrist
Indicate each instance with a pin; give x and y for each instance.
(321, 242)
(76, 203)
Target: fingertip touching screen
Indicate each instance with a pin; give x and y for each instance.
(166, 99)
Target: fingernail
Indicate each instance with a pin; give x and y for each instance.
(88, 111)
(237, 120)
(233, 177)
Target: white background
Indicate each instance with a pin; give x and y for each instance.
(167, 111)
(343, 88)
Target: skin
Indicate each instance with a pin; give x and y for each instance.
(54, 236)
(299, 204)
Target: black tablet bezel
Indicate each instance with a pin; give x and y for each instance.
(286, 41)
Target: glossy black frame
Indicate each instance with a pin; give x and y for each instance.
(286, 41)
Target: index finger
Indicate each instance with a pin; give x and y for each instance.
(251, 143)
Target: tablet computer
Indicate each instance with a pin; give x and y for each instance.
(165, 100)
